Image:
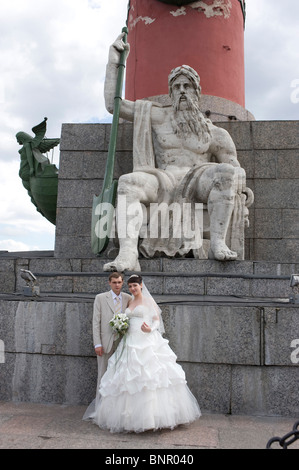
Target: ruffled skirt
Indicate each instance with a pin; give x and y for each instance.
(144, 388)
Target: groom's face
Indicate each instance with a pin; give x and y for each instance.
(116, 284)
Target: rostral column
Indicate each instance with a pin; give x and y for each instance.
(207, 35)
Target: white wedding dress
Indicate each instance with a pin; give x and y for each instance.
(144, 388)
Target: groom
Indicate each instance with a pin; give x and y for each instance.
(105, 306)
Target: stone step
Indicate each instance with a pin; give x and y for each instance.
(162, 276)
(178, 283)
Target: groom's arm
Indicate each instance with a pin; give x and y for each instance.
(96, 327)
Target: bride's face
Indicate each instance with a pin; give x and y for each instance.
(135, 288)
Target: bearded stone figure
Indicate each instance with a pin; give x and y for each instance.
(183, 162)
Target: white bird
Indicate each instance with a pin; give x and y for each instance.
(28, 276)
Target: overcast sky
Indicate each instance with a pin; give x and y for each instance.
(53, 55)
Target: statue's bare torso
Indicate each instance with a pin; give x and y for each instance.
(174, 153)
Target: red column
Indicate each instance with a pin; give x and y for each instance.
(207, 35)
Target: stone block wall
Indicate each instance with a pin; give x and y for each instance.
(267, 150)
(237, 359)
(83, 157)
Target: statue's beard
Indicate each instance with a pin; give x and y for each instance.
(190, 120)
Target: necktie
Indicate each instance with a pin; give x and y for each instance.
(117, 305)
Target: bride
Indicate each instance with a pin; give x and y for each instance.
(144, 388)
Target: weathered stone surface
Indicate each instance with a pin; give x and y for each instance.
(288, 164)
(277, 250)
(211, 385)
(236, 359)
(270, 288)
(241, 133)
(7, 278)
(290, 223)
(281, 328)
(88, 164)
(76, 137)
(275, 134)
(27, 326)
(217, 335)
(265, 164)
(53, 379)
(228, 286)
(180, 276)
(271, 391)
(268, 223)
(189, 266)
(276, 193)
(67, 246)
(76, 223)
(70, 194)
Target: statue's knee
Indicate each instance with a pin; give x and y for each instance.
(126, 183)
(226, 169)
(224, 177)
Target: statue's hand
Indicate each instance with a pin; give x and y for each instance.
(117, 48)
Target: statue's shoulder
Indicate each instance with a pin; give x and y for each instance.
(158, 111)
(221, 138)
(218, 132)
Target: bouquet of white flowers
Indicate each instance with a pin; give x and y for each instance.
(120, 323)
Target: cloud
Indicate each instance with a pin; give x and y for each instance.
(271, 58)
(53, 55)
(20, 223)
(13, 245)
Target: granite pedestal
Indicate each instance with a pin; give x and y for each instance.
(231, 324)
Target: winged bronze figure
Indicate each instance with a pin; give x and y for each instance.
(39, 176)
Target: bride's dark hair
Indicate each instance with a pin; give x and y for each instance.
(135, 278)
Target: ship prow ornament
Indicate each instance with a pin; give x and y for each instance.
(39, 176)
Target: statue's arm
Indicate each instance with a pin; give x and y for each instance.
(224, 149)
(127, 107)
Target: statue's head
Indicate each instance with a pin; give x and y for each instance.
(185, 92)
(22, 138)
(188, 72)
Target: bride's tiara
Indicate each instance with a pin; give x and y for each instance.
(135, 278)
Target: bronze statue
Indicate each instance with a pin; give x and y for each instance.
(39, 176)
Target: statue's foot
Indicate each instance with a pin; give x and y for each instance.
(221, 252)
(121, 264)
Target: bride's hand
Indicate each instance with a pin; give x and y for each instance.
(145, 328)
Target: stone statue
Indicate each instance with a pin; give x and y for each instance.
(180, 157)
(39, 176)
